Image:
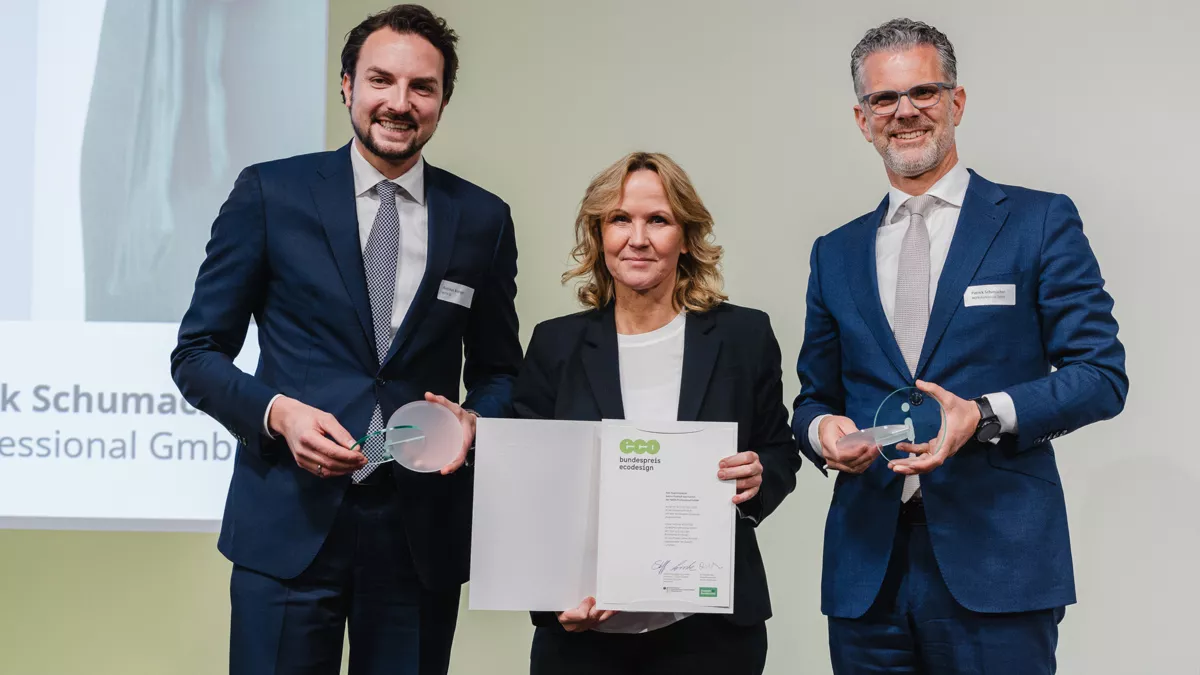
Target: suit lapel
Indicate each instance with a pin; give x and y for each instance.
(700, 348)
(979, 222)
(602, 364)
(864, 285)
(333, 192)
(442, 218)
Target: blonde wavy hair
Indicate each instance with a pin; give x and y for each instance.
(698, 279)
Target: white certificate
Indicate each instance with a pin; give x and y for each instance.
(556, 518)
(667, 523)
(533, 535)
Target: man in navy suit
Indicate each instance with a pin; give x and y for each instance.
(368, 273)
(953, 558)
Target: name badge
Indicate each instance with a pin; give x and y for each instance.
(990, 294)
(456, 293)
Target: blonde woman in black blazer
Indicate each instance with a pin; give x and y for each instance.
(659, 341)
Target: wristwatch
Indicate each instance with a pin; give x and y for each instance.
(989, 425)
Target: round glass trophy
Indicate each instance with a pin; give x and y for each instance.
(907, 415)
(438, 442)
(393, 437)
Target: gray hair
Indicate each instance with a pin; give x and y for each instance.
(897, 35)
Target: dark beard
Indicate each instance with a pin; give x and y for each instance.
(401, 155)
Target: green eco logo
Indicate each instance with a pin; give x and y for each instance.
(708, 592)
(639, 447)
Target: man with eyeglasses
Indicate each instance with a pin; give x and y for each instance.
(953, 556)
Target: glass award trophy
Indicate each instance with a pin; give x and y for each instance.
(420, 436)
(907, 415)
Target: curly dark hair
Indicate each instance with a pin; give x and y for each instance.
(406, 20)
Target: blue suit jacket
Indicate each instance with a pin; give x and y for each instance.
(996, 515)
(285, 250)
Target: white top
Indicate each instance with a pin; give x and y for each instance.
(414, 233)
(941, 220)
(652, 372)
(651, 366)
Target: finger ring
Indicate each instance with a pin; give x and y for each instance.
(320, 471)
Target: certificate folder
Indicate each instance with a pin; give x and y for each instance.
(630, 513)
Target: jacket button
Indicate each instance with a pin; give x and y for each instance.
(916, 398)
(380, 382)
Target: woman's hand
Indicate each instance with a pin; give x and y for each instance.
(746, 468)
(584, 617)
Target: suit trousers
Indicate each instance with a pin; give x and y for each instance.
(701, 644)
(916, 626)
(362, 577)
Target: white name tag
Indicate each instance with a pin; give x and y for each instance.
(991, 294)
(456, 293)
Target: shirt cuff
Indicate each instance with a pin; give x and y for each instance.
(814, 434)
(267, 416)
(1006, 412)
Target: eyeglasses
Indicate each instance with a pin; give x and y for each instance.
(921, 96)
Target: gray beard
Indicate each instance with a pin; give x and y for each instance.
(930, 156)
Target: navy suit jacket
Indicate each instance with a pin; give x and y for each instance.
(285, 250)
(731, 373)
(996, 514)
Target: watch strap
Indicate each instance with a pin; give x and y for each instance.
(987, 419)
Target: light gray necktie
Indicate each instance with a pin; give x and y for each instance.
(379, 266)
(912, 297)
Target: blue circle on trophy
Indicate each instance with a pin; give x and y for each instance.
(907, 415)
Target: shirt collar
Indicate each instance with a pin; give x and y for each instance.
(950, 189)
(366, 177)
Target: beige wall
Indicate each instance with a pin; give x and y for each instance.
(753, 99)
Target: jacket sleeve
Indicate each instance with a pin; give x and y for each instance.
(230, 288)
(491, 344)
(1079, 333)
(534, 393)
(819, 366)
(771, 437)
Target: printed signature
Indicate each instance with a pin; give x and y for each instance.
(662, 566)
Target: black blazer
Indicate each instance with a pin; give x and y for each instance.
(731, 373)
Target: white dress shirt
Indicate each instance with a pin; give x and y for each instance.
(414, 233)
(651, 372)
(942, 220)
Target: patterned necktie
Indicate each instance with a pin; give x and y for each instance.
(379, 264)
(912, 297)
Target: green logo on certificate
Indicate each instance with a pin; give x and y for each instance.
(708, 592)
(639, 447)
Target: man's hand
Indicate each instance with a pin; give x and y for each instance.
(849, 458)
(467, 420)
(746, 468)
(584, 617)
(962, 418)
(308, 432)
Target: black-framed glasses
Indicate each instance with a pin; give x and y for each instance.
(920, 96)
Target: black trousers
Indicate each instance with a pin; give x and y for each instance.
(363, 577)
(698, 645)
